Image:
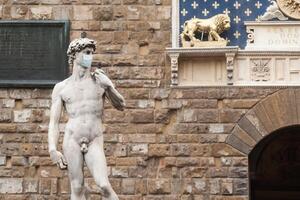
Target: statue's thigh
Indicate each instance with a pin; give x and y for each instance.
(96, 161)
(74, 159)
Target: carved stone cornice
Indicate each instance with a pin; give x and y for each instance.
(258, 65)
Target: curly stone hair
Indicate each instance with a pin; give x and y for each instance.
(78, 45)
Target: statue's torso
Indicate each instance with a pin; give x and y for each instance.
(83, 102)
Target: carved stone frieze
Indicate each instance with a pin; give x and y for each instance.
(250, 36)
(290, 8)
(230, 67)
(260, 70)
(174, 68)
(273, 12)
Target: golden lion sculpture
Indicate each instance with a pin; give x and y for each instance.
(213, 27)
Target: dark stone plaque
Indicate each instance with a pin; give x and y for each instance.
(33, 53)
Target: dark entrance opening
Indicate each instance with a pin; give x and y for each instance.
(274, 166)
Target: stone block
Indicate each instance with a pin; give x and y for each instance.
(63, 12)
(45, 186)
(8, 103)
(159, 150)
(214, 185)
(227, 186)
(2, 160)
(19, 12)
(142, 138)
(238, 144)
(11, 185)
(142, 116)
(41, 12)
(248, 127)
(159, 186)
(1, 11)
(193, 172)
(31, 185)
(133, 13)
(231, 115)
(243, 136)
(20, 93)
(240, 186)
(126, 161)
(185, 162)
(128, 186)
(82, 12)
(162, 116)
(129, 2)
(103, 13)
(138, 149)
(238, 172)
(163, 13)
(51, 2)
(19, 161)
(199, 185)
(6, 115)
(189, 115)
(180, 149)
(239, 103)
(218, 172)
(21, 116)
(222, 150)
(8, 128)
(216, 128)
(200, 149)
(119, 12)
(119, 172)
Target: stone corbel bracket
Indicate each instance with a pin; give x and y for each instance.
(176, 54)
(229, 67)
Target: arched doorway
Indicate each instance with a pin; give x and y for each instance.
(274, 166)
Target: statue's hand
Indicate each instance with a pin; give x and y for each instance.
(102, 79)
(58, 159)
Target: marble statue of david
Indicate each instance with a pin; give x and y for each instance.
(82, 96)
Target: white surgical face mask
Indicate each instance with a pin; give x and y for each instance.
(86, 60)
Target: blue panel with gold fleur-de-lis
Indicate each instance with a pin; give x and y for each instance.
(238, 10)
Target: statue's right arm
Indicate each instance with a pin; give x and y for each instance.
(53, 131)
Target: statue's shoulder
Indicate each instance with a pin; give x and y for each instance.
(60, 86)
(97, 73)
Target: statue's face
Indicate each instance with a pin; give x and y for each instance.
(84, 59)
(226, 23)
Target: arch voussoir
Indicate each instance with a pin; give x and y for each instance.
(278, 110)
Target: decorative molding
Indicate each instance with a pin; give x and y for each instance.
(203, 51)
(174, 68)
(260, 69)
(235, 67)
(175, 23)
(230, 67)
(250, 35)
(273, 35)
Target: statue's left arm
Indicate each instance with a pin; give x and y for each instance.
(111, 93)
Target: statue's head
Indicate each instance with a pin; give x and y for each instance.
(81, 51)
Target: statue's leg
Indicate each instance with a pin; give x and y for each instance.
(74, 159)
(210, 36)
(216, 36)
(96, 163)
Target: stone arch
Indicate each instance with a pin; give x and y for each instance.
(278, 110)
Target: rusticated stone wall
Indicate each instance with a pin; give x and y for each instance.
(167, 144)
